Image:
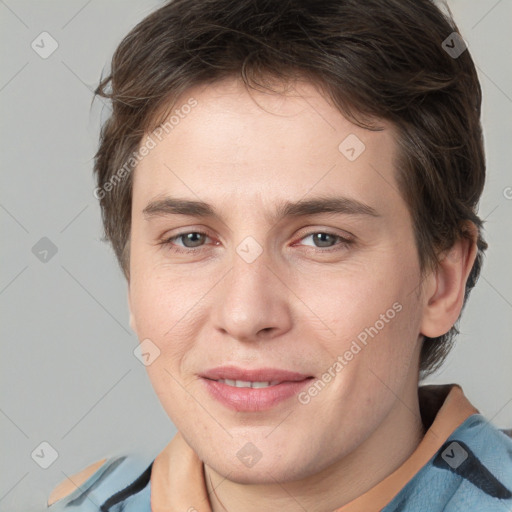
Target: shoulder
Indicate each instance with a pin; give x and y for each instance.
(471, 471)
(67, 486)
(478, 457)
(105, 483)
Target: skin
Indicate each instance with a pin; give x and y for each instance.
(297, 306)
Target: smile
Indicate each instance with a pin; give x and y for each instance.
(253, 390)
(248, 384)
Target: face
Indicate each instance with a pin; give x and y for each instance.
(297, 275)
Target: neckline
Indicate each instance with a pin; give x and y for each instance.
(177, 476)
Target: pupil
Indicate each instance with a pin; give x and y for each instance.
(189, 238)
(320, 237)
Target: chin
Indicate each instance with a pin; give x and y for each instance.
(267, 470)
(263, 475)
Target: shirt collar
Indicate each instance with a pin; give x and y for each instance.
(177, 476)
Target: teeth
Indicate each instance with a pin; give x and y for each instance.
(260, 384)
(248, 384)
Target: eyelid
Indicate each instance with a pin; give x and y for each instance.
(173, 233)
(310, 230)
(344, 240)
(166, 239)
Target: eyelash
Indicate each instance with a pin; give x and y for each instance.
(344, 242)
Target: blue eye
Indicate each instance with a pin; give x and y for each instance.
(193, 241)
(193, 237)
(324, 237)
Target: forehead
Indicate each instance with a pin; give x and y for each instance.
(222, 141)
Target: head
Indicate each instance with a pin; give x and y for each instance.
(290, 120)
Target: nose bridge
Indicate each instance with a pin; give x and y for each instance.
(250, 265)
(251, 298)
(251, 272)
(249, 283)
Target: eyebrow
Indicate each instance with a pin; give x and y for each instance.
(302, 208)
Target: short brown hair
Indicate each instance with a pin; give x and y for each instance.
(377, 59)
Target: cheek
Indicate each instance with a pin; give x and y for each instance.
(159, 308)
(389, 322)
(352, 300)
(160, 313)
(161, 299)
(372, 314)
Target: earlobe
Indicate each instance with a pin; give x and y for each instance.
(443, 306)
(133, 325)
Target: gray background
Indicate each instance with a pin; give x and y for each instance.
(68, 373)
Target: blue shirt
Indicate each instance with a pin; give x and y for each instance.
(472, 471)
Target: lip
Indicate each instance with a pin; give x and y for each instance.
(253, 375)
(253, 399)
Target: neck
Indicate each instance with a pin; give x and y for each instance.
(373, 460)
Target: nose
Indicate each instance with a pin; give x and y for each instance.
(252, 302)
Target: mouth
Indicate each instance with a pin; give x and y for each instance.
(248, 384)
(253, 390)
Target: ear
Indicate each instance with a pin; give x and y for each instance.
(447, 285)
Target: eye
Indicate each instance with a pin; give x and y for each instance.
(327, 240)
(193, 241)
(190, 239)
(194, 238)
